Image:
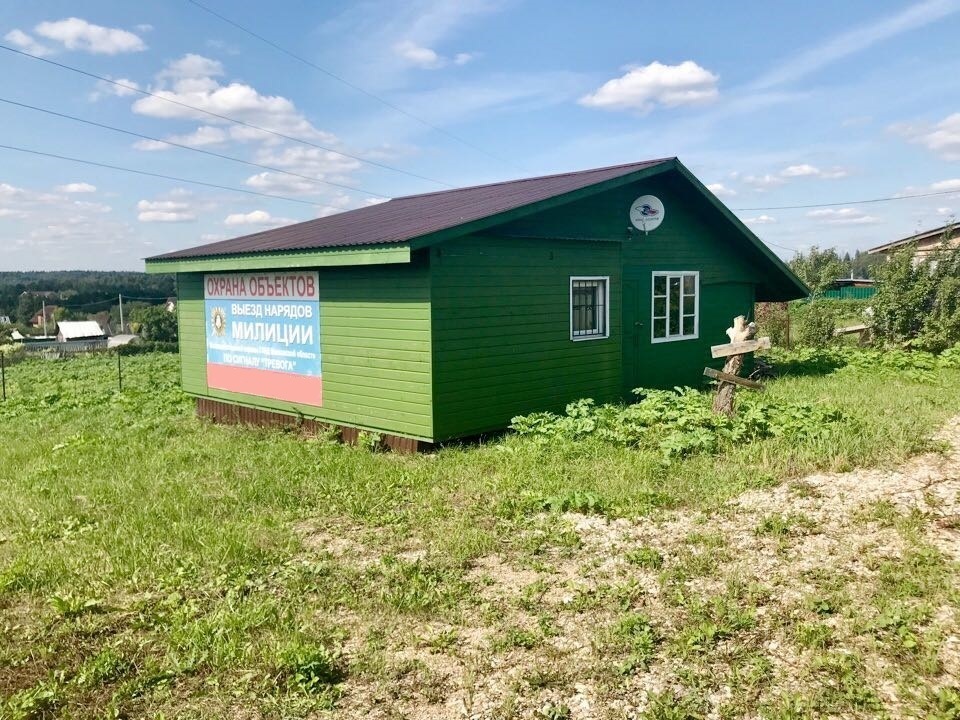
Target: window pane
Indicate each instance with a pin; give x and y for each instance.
(660, 307)
(659, 328)
(588, 311)
(689, 304)
(688, 325)
(689, 284)
(674, 305)
(659, 285)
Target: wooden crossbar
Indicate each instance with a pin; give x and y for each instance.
(735, 379)
(739, 348)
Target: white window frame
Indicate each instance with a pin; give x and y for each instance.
(606, 306)
(696, 305)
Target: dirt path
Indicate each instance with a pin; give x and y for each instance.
(834, 595)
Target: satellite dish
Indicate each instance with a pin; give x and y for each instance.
(646, 213)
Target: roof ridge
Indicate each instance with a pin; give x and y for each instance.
(531, 178)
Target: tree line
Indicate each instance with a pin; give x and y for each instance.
(819, 268)
(78, 293)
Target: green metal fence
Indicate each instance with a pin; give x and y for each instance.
(850, 293)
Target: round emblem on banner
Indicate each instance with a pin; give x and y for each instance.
(219, 320)
(646, 213)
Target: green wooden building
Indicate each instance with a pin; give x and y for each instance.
(444, 315)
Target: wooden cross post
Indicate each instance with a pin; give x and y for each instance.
(741, 343)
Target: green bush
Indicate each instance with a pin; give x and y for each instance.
(918, 304)
(773, 321)
(816, 323)
(145, 347)
(155, 323)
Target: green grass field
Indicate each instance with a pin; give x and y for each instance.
(155, 565)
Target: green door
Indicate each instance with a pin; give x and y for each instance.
(636, 329)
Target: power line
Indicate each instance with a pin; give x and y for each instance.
(165, 177)
(188, 147)
(850, 202)
(354, 86)
(132, 88)
(782, 247)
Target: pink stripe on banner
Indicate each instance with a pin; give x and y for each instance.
(301, 389)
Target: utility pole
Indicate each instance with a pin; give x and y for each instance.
(44, 313)
(121, 313)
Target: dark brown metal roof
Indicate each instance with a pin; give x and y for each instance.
(406, 218)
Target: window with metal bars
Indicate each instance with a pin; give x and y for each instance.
(589, 307)
(676, 306)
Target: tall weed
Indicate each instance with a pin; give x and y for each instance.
(677, 422)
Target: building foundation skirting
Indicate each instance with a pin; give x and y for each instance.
(231, 414)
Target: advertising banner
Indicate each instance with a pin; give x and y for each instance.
(263, 335)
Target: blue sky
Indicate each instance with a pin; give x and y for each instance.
(769, 104)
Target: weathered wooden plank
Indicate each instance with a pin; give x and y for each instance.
(728, 377)
(850, 329)
(739, 348)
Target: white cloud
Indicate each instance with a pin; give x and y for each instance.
(426, 58)
(763, 182)
(799, 171)
(143, 27)
(642, 88)
(54, 230)
(760, 220)
(201, 137)
(414, 54)
(721, 190)
(212, 237)
(857, 40)
(27, 43)
(191, 80)
(124, 88)
(946, 185)
(944, 211)
(256, 217)
(279, 184)
(150, 211)
(943, 138)
(192, 67)
(842, 216)
(78, 34)
(806, 170)
(308, 160)
(92, 206)
(77, 187)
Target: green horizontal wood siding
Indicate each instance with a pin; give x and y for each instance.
(330, 257)
(501, 330)
(193, 344)
(375, 343)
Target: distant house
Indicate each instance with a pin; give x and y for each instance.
(37, 320)
(81, 335)
(5, 320)
(925, 243)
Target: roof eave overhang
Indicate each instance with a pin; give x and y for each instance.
(385, 254)
(540, 205)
